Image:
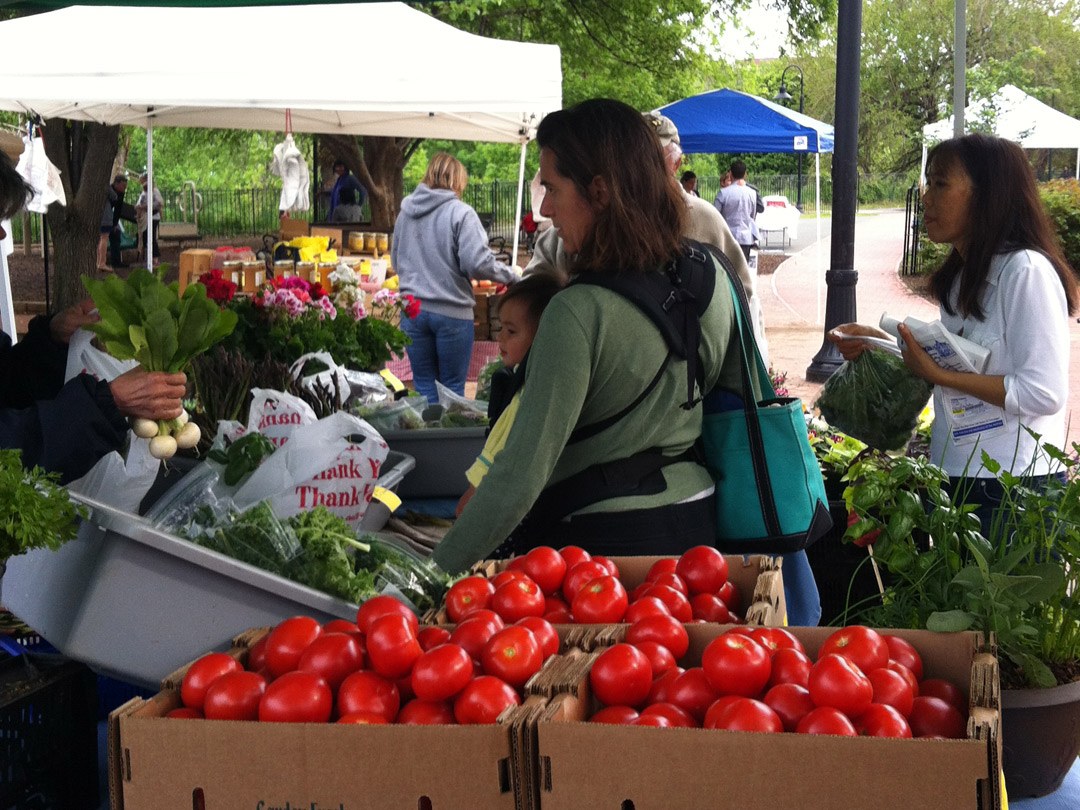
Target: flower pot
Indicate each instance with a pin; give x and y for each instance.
(1040, 738)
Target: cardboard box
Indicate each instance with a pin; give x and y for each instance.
(337, 236)
(757, 580)
(579, 764)
(193, 263)
(155, 764)
(292, 228)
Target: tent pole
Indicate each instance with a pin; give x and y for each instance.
(520, 195)
(149, 250)
(817, 240)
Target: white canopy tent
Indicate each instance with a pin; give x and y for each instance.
(243, 67)
(1013, 114)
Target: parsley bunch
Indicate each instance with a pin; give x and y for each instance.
(35, 511)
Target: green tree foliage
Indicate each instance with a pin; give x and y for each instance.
(1062, 200)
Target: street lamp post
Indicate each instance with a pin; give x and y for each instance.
(783, 96)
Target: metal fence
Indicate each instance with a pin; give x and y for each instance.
(253, 212)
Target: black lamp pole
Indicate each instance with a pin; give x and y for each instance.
(784, 96)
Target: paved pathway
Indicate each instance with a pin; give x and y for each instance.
(793, 299)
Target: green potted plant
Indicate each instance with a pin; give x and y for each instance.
(1019, 588)
(35, 511)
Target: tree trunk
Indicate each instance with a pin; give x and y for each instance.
(84, 154)
(379, 168)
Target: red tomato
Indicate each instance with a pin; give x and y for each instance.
(518, 599)
(431, 637)
(864, 647)
(340, 626)
(903, 651)
(934, 717)
(334, 656)
(184, 713)
(547, 567)
(558, 615)
(881, 720)
(516, 564)
(601, 601)
(392, 646)
(826, 720)
(744, 714)
(296, 697)
(791, 702)
(673, 581)
(680, 718)
(467, 595)
(664, 630)
(677, 603)
(730, 594)
(660, 658)
(703, 568)
(645, 606)
(621, 676)
(790, 666)
(775, 638)
(654, 720)
(201, 674)
(256, 657)
(489, 616)
(367, 693)
(484, 699)
(835, 681)
(234, 696)
(378, 606)
(736, 665)
(946, 690)
(574, 555)
(581, 575)
(509, 574)
(287, 641)
(545, 635)
(891, 689)
(660, 691)
(473, 634)
(364, 719)
(615, 715)
(512, 655)
(691, 691)
(441, 673)
(612, 568)
(426, 713)
(708, 607)
(907, 674)
(665, 565)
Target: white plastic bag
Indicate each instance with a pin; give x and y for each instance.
(84, 358)
(276, 414)
(333, 378)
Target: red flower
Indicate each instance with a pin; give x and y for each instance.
(218, 288)
(411, 305)
(317, 291)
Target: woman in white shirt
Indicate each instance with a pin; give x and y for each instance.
(1005, 285)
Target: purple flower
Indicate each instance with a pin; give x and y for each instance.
(326, 308)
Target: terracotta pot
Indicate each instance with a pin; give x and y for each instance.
(1040, 731)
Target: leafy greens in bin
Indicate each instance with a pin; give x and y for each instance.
(874, 398)
(318, 549)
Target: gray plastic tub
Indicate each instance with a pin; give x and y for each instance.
(136, 603)
(442, 457)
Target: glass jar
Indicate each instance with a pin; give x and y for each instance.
(233, 271)
(382, 242)
(284, 268)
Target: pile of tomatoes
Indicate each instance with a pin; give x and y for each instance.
(569, 585)
(761, 679)
(382, 669)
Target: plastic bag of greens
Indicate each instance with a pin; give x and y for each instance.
(874, 398)
(402, 573)
(254, 536)
(459, 411)
(400, 414)
(483, 381)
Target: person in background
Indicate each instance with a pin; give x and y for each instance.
(737, 203)
(109, 243)
(520, 309)
(618, 209)
(688, 180)
(140, 210)
(345, 180)
(1005, 285)
(67, 427)
(439, 246)
(347, 210)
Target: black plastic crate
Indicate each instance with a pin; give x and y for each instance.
(48, 734)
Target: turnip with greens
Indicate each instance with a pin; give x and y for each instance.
(144, 319)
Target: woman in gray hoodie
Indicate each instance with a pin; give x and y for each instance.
(439, 247)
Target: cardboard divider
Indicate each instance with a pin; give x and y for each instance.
(580, 764)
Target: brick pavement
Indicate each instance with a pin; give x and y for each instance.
(790, 300)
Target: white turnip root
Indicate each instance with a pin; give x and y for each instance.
(188, 437)
(144, 428)
(163, 447)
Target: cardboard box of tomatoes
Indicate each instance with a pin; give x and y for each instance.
(157, 761)
(673, 768)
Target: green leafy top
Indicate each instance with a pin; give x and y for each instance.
(35, 511)
(144, 319)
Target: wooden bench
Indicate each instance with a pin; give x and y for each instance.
(179, 232)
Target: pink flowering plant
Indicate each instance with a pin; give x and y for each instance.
(289, 317)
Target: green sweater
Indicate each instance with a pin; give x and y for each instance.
(594, 353)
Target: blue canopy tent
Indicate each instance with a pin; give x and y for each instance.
(731, 121)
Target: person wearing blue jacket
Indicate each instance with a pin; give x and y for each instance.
(439, 247)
